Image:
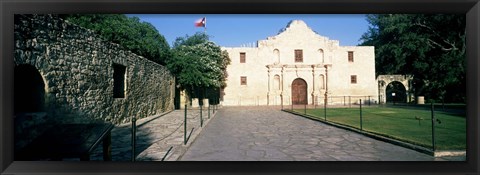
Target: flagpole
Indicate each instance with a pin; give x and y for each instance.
(205, 26)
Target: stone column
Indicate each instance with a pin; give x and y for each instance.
(326, 84)
(313, 85)
(269, 90)
(281, 85)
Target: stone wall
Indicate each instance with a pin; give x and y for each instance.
(270, 69)
(385, 80)
(77, 68)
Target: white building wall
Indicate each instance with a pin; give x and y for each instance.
(319, 53)
(255, 92)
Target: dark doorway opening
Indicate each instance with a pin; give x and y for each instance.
(29, 90)
(118, 81)
(396, 92)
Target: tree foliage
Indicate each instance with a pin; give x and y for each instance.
(139, 37)
(198, 64)
(430, 47)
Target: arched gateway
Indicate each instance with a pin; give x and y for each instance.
(299, 92)
(399, 85)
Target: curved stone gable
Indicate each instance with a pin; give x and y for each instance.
(297, 33)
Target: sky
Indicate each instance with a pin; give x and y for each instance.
(235, 30)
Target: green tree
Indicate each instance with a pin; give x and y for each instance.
(139, 37)
(198, 64)
(430, 47)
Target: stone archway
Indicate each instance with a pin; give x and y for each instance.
(29, 90)
(299, 92)
(386, 80)
(395, 92)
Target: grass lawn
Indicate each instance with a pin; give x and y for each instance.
(401, 124)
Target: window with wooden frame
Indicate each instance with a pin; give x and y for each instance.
(243, 80)
(353, 79)
(242, 57)
(350, 56)
(298, 55)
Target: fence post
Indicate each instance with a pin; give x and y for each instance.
(325, 110)
(281, 101)
(209, 111)
(185, 127)
(134, 129)
(214, 105)
(361, 120)
(201, 118)
(349, 101)
(344, 101)
(305, 109)
(433, 127)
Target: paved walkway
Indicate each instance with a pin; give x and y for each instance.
(156, 136)
(248, 133)
(263, 134)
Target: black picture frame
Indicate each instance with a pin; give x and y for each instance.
(10, 7)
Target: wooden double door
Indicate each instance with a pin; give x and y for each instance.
(299, 92)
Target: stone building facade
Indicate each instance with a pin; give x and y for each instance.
(301, 67)
(68, 74)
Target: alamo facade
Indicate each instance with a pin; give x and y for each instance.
(299, 66)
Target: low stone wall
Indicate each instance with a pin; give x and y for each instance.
(77, 68)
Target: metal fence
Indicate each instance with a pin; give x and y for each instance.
(349, 101)
(194, 117)
(409, 123)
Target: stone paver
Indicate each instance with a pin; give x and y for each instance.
(264, 133)
(249, 133)
(155, 136)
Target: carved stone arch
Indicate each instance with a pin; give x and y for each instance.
(276, 56)
(322, 81)
(395, 92)
(276, 82)
(321, 54)
(385, 80)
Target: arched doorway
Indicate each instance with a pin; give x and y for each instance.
(396, 92)
(29, 89)
(299, 92)
(385, 80)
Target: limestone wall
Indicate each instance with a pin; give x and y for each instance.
(271, 68)
(77, 67)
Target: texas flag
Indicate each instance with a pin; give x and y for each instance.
(201, 22)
